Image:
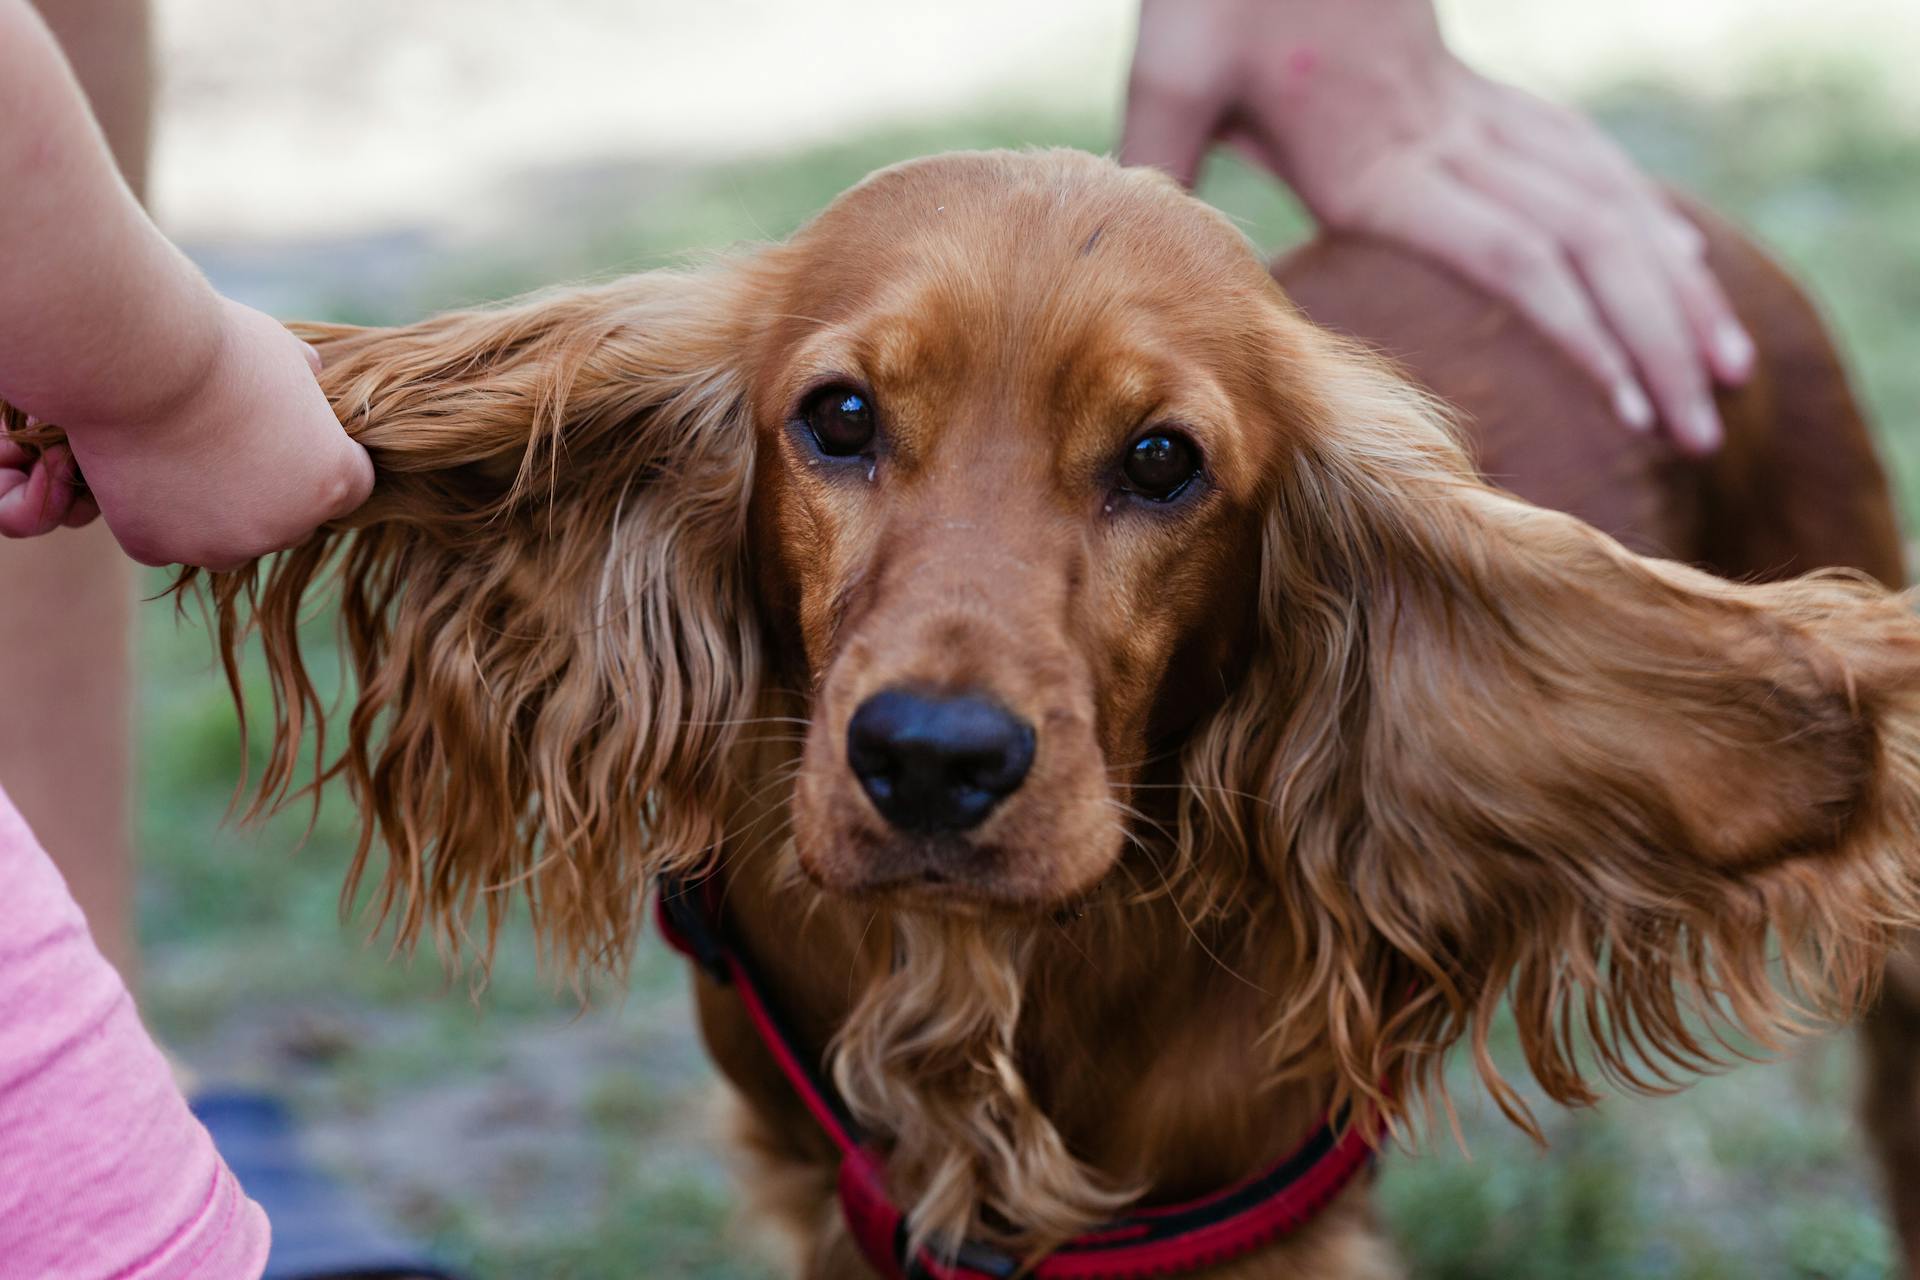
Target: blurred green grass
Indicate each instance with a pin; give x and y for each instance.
(529, 1139)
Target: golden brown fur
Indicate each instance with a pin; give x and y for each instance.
(1798, 486)
(1333, 756)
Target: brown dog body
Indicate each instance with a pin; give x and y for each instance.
(1123, 723)
(1797, 486)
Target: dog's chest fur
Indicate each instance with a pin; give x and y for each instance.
(1138, 1040)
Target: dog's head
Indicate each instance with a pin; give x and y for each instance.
(1021, 475)
(1016, 418)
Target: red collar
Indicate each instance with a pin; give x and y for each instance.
(1159, 1241)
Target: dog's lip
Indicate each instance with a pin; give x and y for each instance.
(965, 902)
(923, 888)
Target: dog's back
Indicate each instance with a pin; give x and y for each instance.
(1797, 486)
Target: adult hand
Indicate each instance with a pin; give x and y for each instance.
(247, 460)
(1360, 108)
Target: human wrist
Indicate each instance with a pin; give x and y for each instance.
(1408, 29)
(176, 343)
(1335, 41)
(1347, 83)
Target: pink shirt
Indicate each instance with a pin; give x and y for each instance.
(104, 1173)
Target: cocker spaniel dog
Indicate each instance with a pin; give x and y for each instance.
(1103, 739)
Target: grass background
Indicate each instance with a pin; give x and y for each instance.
(527, 1138)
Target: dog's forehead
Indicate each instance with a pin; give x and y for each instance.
(1026, 234)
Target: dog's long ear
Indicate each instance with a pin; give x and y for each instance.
(1487, 752)
(543, 605)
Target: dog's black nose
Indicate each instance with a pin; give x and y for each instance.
(931, 763)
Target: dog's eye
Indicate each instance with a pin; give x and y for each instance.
(841, 420)
(1159, 465)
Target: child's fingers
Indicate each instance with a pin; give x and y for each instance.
(37, 499)
(83, 511)
(27, 506)
(21, 496)
(313, 358)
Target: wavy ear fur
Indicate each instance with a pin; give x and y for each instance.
(545, 605)
(1487, 752)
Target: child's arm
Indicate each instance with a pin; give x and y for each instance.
(197, 421)
(103, 321)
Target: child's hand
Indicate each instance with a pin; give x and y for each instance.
(248, 460)
(38, 493)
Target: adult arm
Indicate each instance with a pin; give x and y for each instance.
(1361, 109)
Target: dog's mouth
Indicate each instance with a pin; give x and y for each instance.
(935, 894)
(940, 873)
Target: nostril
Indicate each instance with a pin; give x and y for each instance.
(932, 762)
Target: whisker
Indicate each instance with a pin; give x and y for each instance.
(859, 948)
(1072, 942)
(801, 721)
(1144, 761)
(1208, 788)
(1173, 899)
